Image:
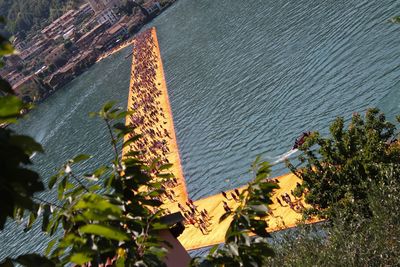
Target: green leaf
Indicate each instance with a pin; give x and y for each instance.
(213, 249)
(108, 106)
(50, 246)
(159, 226)
(80, 157)
(81, 258)
(120, 126)
(395, 20)
(131, 140)
(6, 48)
(10, 108)
(46, 216)
(61, 187)
(120, 262)
(71, 239)
(31, 220)
(96, 202)
(105, 231)
(52, 181)
(165, 167)
(93, 114)
(100, 171)
(26, 143)
(264, 171)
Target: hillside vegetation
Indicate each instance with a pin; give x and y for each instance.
(23, 16)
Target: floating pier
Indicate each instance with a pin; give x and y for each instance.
(282, 217)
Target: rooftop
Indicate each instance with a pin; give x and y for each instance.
(114, 29)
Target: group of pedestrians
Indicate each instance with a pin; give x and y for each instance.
(149, 118)
(294, 203)
(193, 216)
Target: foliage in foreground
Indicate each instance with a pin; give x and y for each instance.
(373, 241)
(17, 183)
(239, 248)
(353, 179)
(119, 221)
(339, 171)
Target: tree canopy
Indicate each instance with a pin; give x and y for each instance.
(22, 16)
(338, 171)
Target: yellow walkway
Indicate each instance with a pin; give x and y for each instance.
(282, 217)
(162, 102)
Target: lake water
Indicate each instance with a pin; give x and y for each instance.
(244, 77)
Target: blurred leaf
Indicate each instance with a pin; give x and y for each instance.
(50, 246)
(395, 20)
(224, 216)
(7, 263)
(108, 106)
(46, 217)
(27, 143)
(105, 231)
(6, 48)
(120, 262)
(81, 258)
(80, 157)
(93, 114)
(165, 167)
(34, 260)
(52, 181)
(100, 171)
(120, 126)
(61, 187)
(130, 141)
(264, 171)
(233, 248)
(259, 208)
(213, 249)
(160, 226)
(6, 87)
(10, 108)
(96, 202)
(31, 220)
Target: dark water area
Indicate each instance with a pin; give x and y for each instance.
(245, 78)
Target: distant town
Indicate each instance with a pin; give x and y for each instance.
(74, 42)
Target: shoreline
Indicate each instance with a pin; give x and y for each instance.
(114, 50)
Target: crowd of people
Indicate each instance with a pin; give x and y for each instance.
(149, 118)
(193, 216)
(294, 203)
(151, 121)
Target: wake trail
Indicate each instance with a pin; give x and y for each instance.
(284, 156)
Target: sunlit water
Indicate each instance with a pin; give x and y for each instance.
(245, 78)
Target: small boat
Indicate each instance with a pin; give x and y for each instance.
(300, 140)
